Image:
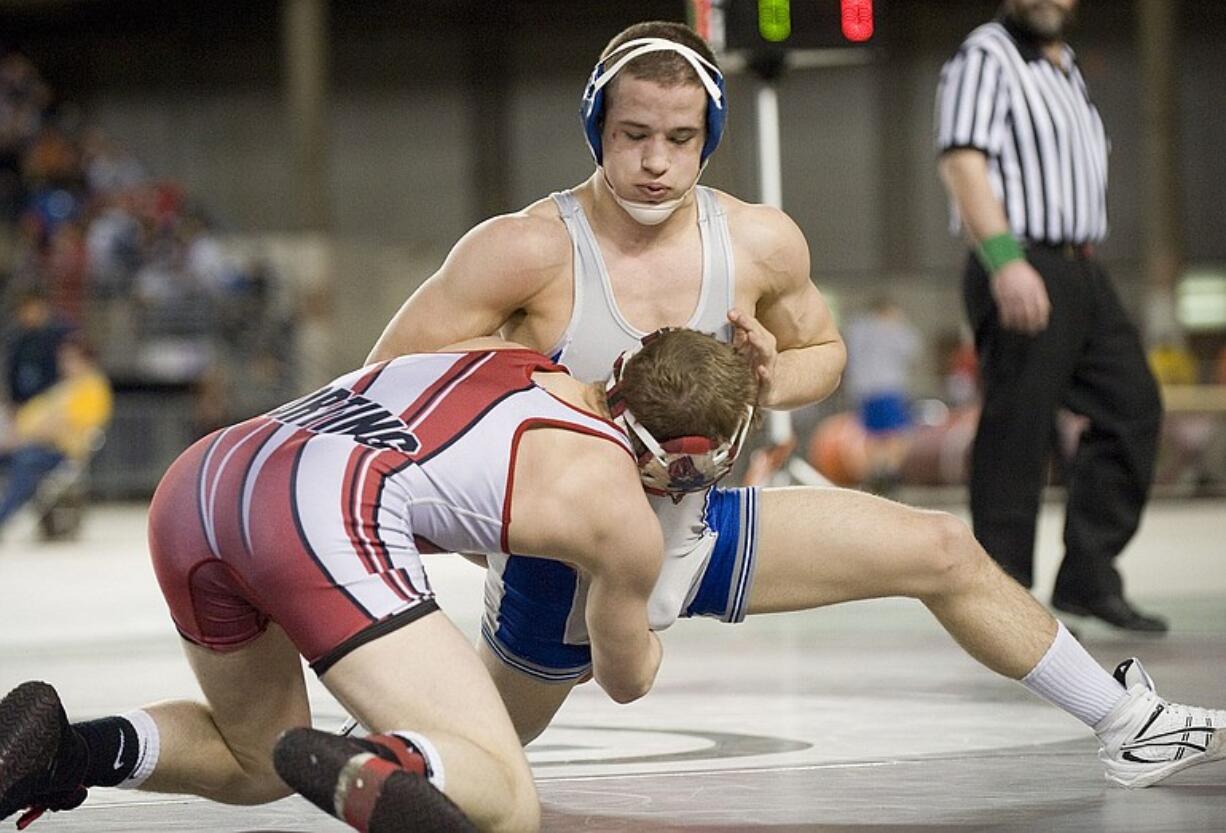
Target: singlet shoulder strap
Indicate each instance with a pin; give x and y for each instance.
(708, 204)
(719, 267)
(525, 361)
(567, 203)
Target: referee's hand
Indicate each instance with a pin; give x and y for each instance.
(1021, 298)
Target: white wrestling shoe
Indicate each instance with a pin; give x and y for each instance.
(1145, 738)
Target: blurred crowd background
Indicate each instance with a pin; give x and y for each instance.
(133, 259)
(227, 201)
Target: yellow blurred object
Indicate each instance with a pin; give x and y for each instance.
(68, 414)
(1173, 365)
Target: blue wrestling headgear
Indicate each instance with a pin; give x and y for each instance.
(681, 464)
(591, 110)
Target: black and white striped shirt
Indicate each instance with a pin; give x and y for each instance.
(1046, 146)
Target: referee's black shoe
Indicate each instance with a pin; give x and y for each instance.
(1114, 610)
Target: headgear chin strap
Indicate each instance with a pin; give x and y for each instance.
(648, 213)
(591, 109)
(682, 464)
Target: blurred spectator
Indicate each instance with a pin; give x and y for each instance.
(63, 422)
(65, 270)
(881, 348)
(1219, 367)
(23, 100)
(205, 258)
(52, 159)
(132, 261)
(55, 199)
(959, 369)
(114, 245)
(109, 167)
(255, 335)
(1185, 455)
(163, 281)
(32, 365)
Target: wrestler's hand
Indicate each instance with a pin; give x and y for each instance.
(1021, 297)
(757, 344)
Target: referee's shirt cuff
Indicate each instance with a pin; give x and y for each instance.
(944, 149)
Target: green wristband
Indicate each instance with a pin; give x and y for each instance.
(996, 251)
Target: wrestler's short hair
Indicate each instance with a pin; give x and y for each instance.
(684, 383)
(665, 67)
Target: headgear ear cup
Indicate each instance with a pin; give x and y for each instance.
(717, 115)
(681, 464)
(591, 112)
(591, 108)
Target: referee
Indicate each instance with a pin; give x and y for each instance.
(1023, 155)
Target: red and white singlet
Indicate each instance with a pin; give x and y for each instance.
(315, 514)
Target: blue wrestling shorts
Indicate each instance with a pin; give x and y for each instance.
(884, 413)
(535, 610)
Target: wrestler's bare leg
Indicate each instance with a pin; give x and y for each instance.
(425, 678)
(422, 677)
(222, 749)
(532, 703)
(822, 546)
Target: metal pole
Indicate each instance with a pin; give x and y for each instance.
(770, 178)
(1162, 246)
(770, 160)
(305, 39)
(306, 93)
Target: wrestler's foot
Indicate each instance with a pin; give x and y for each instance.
(362, 782)
(42, 759)
(1146, 739)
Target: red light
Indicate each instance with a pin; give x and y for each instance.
(700, 18)
(857, 20)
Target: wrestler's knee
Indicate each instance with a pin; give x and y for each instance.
(529, 716)
(257, 784)
(530, 731)
(517, 808)
(523, 811)
(949, 558)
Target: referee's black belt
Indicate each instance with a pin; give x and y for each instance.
(1068, 251)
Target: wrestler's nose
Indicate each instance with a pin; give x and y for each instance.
(655, 156)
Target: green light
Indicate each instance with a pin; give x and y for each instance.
(775, 19)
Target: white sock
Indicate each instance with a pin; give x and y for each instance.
(150, 745)
(1068, 677)
(435, 773)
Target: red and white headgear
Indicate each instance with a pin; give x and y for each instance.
(681, 464)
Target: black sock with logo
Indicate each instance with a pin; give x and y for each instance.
(114, 750)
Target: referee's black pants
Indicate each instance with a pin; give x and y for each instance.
(1089, 359)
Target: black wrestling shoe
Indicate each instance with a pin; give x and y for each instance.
(1114, 610)
(42, 761)
(362, 783)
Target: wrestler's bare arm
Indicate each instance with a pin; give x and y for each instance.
(617, 542)
(625, 652)
(578, 499)
(790, 332)
(493, 271)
